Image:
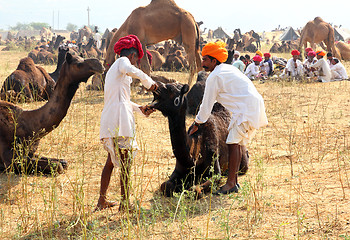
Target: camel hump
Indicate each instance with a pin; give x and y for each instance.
(318, 20)
(26, 64)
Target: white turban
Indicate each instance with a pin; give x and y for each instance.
(236, 53)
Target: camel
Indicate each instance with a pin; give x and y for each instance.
(158, 21)
(198, 154)
(21, 130)
(45, 33)
(318, 31)
(157, 60)
(27, 82)
(195, 95)
(60, 60)
(344, 50)
(84, 32)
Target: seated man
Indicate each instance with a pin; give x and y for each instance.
(294, 67)
(323, 70)
(338, 70)
(308, 62)
(240, 64)
(253, 70)
(267, 65)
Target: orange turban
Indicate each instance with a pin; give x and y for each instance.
(321, 53)
(259, 53)
(216, 50)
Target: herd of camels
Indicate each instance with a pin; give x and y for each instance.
(160, 20)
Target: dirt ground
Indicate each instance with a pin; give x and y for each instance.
(297, 186)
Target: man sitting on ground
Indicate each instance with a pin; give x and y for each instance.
(323, 70)
(338, 70)
(253, 69)
(307, 64)
(294, 67)
(240, 64)
(267, 65)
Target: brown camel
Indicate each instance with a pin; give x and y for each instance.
(157, 60)
(84, 32)
(316, 32)
(344, 50)
(27, 82)
(160, 20)
(21, 130)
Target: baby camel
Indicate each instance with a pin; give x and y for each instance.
(197, 154)
(21, 130)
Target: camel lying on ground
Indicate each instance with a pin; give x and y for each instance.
(195, 155)
(27, 82)
(160, 20)
(21, 130)
(344, 50)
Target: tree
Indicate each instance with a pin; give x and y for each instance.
(71, 27)
(30, 26)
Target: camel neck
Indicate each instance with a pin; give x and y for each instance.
(179, 141)
(49, 116)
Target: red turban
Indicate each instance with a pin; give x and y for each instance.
(321, 53)
(128, 42)
(309, 49)
(311, 54)
(257, 58)
(295, 52)
(216, 50)
(267, 55)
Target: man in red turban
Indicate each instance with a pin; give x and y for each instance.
(227, 85)
(267, 65)
(117, 131)
(294, 67)
(253, 70)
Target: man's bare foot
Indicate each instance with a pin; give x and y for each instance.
(103, 205)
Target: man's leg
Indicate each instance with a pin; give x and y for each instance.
(105, 179)
(235, 157)
(124, 178)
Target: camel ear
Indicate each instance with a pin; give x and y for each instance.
(69, 58)
(185, 89)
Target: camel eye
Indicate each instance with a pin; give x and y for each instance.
(177, 101)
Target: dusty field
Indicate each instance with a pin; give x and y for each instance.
(297, 186)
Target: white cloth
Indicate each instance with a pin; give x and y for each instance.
(324, 71)
(230, 87)
(112, 146)
(117, 118)
(252, 71)
(307, 65)
(338, 72)
(294, 71)
(240, 134)
(98, 38)
(265, 67)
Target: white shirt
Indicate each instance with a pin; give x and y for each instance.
(323, 69)
(338, 71)
(117, 118)
(252, 70)
(307, 65)
(294, 71)
(239, 64)
(97, 38)
(230, 87)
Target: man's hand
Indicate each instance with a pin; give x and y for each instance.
(153, 88)
(193, 128)
(147, 110)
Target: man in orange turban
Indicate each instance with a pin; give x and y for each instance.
(323, 69)
(227, 85)
(216, 50)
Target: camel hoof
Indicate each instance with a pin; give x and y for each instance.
(167, 188)
(64, 164)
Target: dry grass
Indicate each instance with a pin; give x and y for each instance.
(297, 186)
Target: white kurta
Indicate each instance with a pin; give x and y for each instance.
(324, 71)
(294, 71)
(307, 65)
(338, 72)
(230, 87)
(98, 39)
(252, 70)
(117, 118)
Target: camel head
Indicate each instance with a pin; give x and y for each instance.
(170, 98)
(77, 69)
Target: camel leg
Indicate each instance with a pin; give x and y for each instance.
(145, 65)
